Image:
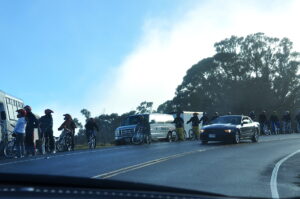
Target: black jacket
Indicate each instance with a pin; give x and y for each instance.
(178, 122)
(90, 125)
(274, 118)
(195, 121)
(32, 122)
(204, 119)
(286, 118)
(262, 118)
(46, 123)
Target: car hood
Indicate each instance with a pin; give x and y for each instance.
(219, 126)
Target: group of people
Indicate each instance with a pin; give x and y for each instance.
(276, 124)
(273, 123)
(28, 122)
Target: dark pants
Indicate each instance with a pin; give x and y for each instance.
(29, 143)
(49, 141)
(20, 144)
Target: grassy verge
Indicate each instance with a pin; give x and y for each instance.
(85, 146)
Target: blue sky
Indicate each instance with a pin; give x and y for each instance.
(60, 48)
(110, 55)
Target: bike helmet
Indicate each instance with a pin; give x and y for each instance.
(27, 108)
(22, 112)
(48, 111)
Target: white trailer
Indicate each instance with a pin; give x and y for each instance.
(186, 116)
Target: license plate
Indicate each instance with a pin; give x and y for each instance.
(212, 135)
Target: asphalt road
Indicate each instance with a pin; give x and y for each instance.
(237, 170)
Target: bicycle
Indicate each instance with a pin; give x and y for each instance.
(140, 137)
(91, 140)
(265, 129)
(10, 147)
(64, 143)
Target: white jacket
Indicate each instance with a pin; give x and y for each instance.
(21, 125)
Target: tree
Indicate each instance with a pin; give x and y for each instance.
(144, 107)
(255, 72)
(85, 113)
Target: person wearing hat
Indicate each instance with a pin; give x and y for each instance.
(179, 126)
(46, 126)
(195, 125)
(70, 125)
(32, 123)
(19, 132)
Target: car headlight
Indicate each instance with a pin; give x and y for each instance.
(202, 131)
(228, 131)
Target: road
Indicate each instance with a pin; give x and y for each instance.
(237, 170)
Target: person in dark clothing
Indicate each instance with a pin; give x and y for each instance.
(252, 115)
(274, 122)
(297, 118)
(91, 127)
(204, 119)
(46, 126)
(287, 124)
(179, 127)
(262, 119)
(69, 125)
(216, 115)
(195, 125)
(32, 123)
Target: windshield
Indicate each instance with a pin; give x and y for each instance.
(77, 75)
(132, 120)
(227, 120)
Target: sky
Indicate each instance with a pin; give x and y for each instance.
(109, 55)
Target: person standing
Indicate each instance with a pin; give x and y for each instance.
(91, 127)
(32, 123)
(195, 125)
(262, 119)
(179, 126)
(204, 119)
(274, 122)
(46, 126)
(69, 125)
(19, 131)
(297, 118)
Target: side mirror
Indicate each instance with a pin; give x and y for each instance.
(3, 115)
(152, 122)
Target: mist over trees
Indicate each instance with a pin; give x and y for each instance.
(255, 72)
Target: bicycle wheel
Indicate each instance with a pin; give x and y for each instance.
(92, 142)
(137, 139)
(68, 143)
(9, 150)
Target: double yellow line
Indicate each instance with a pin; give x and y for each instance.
(145, 164)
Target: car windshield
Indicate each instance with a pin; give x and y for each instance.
(77, 75)
(227, 120)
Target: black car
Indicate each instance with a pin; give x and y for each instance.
(230, 128)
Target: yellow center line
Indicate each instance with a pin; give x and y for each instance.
(145, 164)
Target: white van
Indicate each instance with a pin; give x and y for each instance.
(161, 127)
(8, 115)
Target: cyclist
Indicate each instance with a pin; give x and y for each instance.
(216, 115)
(195, 125)
(90, 128)
(19, 132)
(252, 115)
(274, 122)
(297, 118)
(32, 123)
(262, 119)
(286, 119)
(70, 125)
(204, 119)
(46, 126)
(179, 126)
